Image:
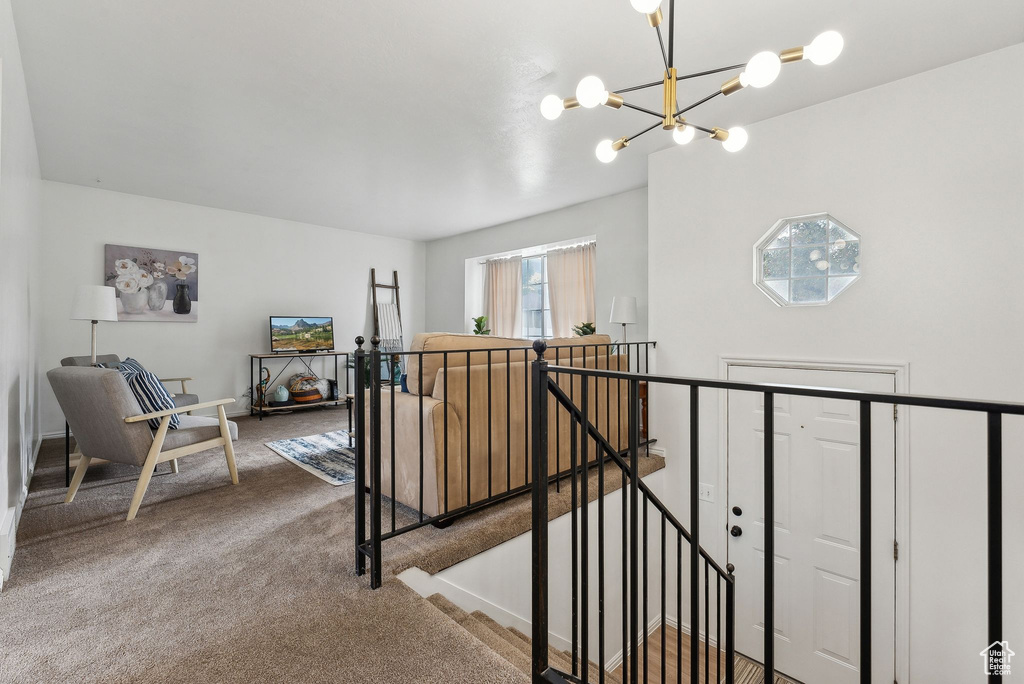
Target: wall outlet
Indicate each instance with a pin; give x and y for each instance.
(706, 492)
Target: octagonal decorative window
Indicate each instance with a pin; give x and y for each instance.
(806, 260)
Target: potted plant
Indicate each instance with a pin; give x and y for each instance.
(481, 326)
(584, 329)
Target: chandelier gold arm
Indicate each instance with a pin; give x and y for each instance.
(791, 55)
(732, 85)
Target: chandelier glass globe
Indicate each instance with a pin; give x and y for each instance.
(825, 48)
(645, 6)
(551, 107)
(591, 92)
(683, 134)
(762, 70)
(736, 141)
(605, 152)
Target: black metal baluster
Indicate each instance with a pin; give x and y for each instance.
(585, 531)
(420, 399)
(539, 527)
(468, 428)
(707, 625)
(624, 553)
(634, 523)
(730, 626)
(663, 598)
(575, 542)
(865, 542)
(718, 628)
(392, 361)
(375, 464)
(679, 607)
(558, 435)
(769, 537)
(646, 622)
(600, 567)
(490, 449)
(694, 534)
(995, 527)
(445, 412)
(508, 419)
(526, 423)
(360, 485)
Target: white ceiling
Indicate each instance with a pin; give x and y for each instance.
(420, 119)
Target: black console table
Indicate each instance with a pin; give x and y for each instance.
(257, 360)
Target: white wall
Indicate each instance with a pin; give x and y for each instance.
(620, 224)
(250, 267)
(930, 171)
(19, 241)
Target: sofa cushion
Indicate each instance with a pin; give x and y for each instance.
(434, 342)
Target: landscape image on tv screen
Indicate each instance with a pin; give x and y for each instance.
(291, 334)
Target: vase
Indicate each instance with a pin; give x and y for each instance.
(157, 296)
(134, 302)
(182, 302)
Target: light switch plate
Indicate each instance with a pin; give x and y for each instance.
(706, 492)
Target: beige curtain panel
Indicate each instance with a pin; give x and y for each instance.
(503, 296)
(571, 276)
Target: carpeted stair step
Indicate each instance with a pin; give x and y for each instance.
(595, 672)
(521, 641)
(560, 659)
(494, 641)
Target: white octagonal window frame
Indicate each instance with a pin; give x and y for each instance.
(807, 260)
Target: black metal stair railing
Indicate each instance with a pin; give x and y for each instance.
(382, 515)
(634, 529)
(635, 632)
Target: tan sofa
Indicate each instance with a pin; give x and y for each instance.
(469, 394)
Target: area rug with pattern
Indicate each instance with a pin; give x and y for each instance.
(330, 456)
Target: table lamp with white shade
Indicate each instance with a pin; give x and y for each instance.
(624, 312)
(94, 303)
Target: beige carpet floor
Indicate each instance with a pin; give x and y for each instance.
(221, 583)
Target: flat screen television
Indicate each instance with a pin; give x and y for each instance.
(309, 334)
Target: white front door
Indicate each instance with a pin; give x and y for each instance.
(817, 554)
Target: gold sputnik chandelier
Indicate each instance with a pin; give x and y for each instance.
(762, 69)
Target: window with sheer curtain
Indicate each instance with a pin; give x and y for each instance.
(570, 276)
(543, 294)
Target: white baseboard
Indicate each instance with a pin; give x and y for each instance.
(11, 518)
(8, 524)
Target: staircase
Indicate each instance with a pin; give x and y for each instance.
(509, 642)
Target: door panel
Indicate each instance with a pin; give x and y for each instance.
(817, 524)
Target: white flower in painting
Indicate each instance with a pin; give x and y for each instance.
(159, 266)
(187, 265)
(159, 274)
(125, 267)
(145, 279)
(127, 283)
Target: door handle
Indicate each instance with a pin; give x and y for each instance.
(736, 510)
(736, 531)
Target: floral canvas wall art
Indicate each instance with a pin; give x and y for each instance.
(153, 284)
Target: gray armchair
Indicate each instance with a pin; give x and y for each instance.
(182, 398)
(110, 426)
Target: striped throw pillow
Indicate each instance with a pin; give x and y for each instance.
(151, 395)
(130, 365)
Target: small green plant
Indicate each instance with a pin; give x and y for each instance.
(584, 329)
(481, 326)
